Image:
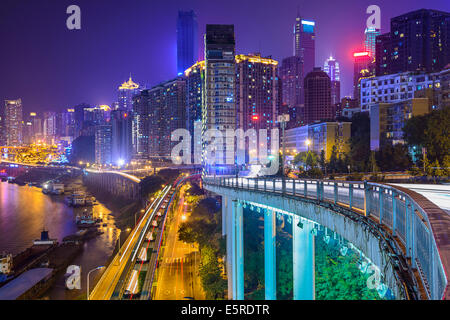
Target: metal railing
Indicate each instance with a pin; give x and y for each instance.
(391, 207)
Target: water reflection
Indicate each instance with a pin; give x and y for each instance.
(25, 211)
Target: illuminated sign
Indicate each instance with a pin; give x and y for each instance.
(309, 23)
(361, 54)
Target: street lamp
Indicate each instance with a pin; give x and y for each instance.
(283, 119)
(307, 142)
(87, 287)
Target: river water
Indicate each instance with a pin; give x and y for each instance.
(25, 211)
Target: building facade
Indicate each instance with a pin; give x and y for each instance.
(103, 144)
(418, 41)
(187, 40)
(394, 88)
(13, 123)
(219, 108)
(331, 67)
(387, 120)
(126, 92)
(318, 137)
(292, 91)
(304, 43)
(318, 97)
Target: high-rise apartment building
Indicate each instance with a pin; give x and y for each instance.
(195, 89)
(318, 97)
(331, 67)
(103, 144)
(141, 125)
(257, 103)
(167, 102)
(13, 122)
(219, 104)
(418, 41)
(187, 40)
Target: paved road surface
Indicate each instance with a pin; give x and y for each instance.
(177, 276)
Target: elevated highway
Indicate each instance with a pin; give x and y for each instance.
(401, 231)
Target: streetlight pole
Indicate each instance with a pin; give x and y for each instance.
(87, 286)
(283, 119)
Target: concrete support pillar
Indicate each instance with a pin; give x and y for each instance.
(270, 266)
(303, 259)
(229, 234)
(238, 251)
(224, 215)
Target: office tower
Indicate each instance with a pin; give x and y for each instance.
(141, 125)
(370, 35)
(331, 67)
(195, 88)
(167, 102)
(291, 75)
(121, 140)
(13, 122)
(219, 104)
(418, 41)
(304, 42)
(126, 91)
(103, 144)
(362, 68)
(317, 97)
(187, 40)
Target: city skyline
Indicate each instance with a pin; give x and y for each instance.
(60, 61)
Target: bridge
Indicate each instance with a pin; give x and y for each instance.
(117, 183)
(397, 229)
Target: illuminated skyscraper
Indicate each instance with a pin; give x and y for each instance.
(304, 42)
(363, 68)
(370, 35)
(257, 103)
(187, 40)
(13, 122)
(195, 88)
(219, 108)
(418, 41)
(126, 92)
(331, 67)
(103, 144)
(256, 92)
(121, 136)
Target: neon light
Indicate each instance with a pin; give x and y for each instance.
(361, 54)
(309, 23)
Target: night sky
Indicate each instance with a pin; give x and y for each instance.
(51, 67)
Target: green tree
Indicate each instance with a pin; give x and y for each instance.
(373, 163)
(333, 163)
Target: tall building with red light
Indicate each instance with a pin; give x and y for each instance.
(363, 68)
(256, 92)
